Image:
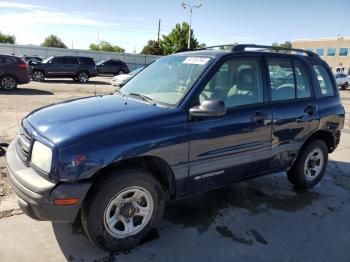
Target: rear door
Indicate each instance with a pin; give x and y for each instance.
(236, 145)
(295, 113)
(70, 66)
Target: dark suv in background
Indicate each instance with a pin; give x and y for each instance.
(13, 71)
(187, 123)
(112, 66)
(78, 68)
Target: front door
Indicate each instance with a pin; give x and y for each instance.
(237, 144)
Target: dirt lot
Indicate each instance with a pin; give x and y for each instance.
(15, 105)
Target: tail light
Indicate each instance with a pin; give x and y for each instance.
(23, 65)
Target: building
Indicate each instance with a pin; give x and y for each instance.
(335, 51)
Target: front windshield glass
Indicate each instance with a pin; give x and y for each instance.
(47, 60)
(134, 72)
(168, 79)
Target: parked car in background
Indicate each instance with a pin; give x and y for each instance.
(112, 66)
(342, 80)
(120, 80)
(32, 59)
(13, 71)
(188, 123)
(78, 68)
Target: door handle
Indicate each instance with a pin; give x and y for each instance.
(259, 117)
(310, 109)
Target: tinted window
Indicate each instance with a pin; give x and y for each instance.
(324, 80)
(6, 60)
(343, 51)
(281, 79)
(331, 52)
(57, 60)
(320, 51)
(86, 60)
(70, 60)
(237, 82)
(302, 81)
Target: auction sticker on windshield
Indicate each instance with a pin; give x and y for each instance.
(195, 60)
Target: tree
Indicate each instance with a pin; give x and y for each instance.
(286, 44)
(152, 48)
(177, 39)
(107, 47)
(8, 39)
(53, 41)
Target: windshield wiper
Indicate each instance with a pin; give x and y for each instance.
(144, 97)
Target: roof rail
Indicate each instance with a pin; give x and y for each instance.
(242, 47)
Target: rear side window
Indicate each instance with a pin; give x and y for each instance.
(86, 61)
(288, 80)
(324, 80)
(70, 60)
(302, 81)
(281, 79)
(7, 60)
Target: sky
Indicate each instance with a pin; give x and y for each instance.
(130, 24)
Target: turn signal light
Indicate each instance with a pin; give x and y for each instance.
(66, 201)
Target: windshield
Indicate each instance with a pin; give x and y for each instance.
(100, 63)
(168, 79)
(47, 60)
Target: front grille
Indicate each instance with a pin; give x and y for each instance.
(23, 144)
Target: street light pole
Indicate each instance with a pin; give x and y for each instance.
(185, 6)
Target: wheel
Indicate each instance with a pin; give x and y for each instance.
(345, 86)
(121, 72)
(38, 75)
(8, 83)
(82, 77)
(310, 165)
(122, 208)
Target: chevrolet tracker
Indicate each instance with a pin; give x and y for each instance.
(188, 123)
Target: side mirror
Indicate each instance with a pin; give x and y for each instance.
(209, 108)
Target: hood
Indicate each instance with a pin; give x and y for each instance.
(75, 119)
(122, 77)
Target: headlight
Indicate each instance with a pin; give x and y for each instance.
(41, 156)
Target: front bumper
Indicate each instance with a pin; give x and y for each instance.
(36, 194)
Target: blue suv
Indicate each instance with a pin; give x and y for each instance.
(188, 123)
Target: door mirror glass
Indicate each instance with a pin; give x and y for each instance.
(209, 108)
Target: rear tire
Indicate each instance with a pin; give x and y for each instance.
(121, 72)
(345, 86)
(310, 166)
(82, 77)
(8, 83)
(115, 216)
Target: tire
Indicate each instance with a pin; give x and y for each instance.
(100, 204)
(120, 72)
(345, 86)
(38, 76)
(8, 82)
(82, 77)
(310, 166)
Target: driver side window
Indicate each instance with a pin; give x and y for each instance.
(236, 82)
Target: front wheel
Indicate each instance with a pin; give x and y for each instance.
(122, 208)
(310, 166)
(38, 75)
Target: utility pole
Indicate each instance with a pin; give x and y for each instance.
(185, 6)
(158, 30)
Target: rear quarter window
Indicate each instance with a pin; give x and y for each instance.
(86, 61)
(324, 80)
(7, 60)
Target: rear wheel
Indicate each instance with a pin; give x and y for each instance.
(38, 75)
(121, 72)
(8, 83)
(345, 86)
(122, 208)
(82, 77)
(310, 165)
